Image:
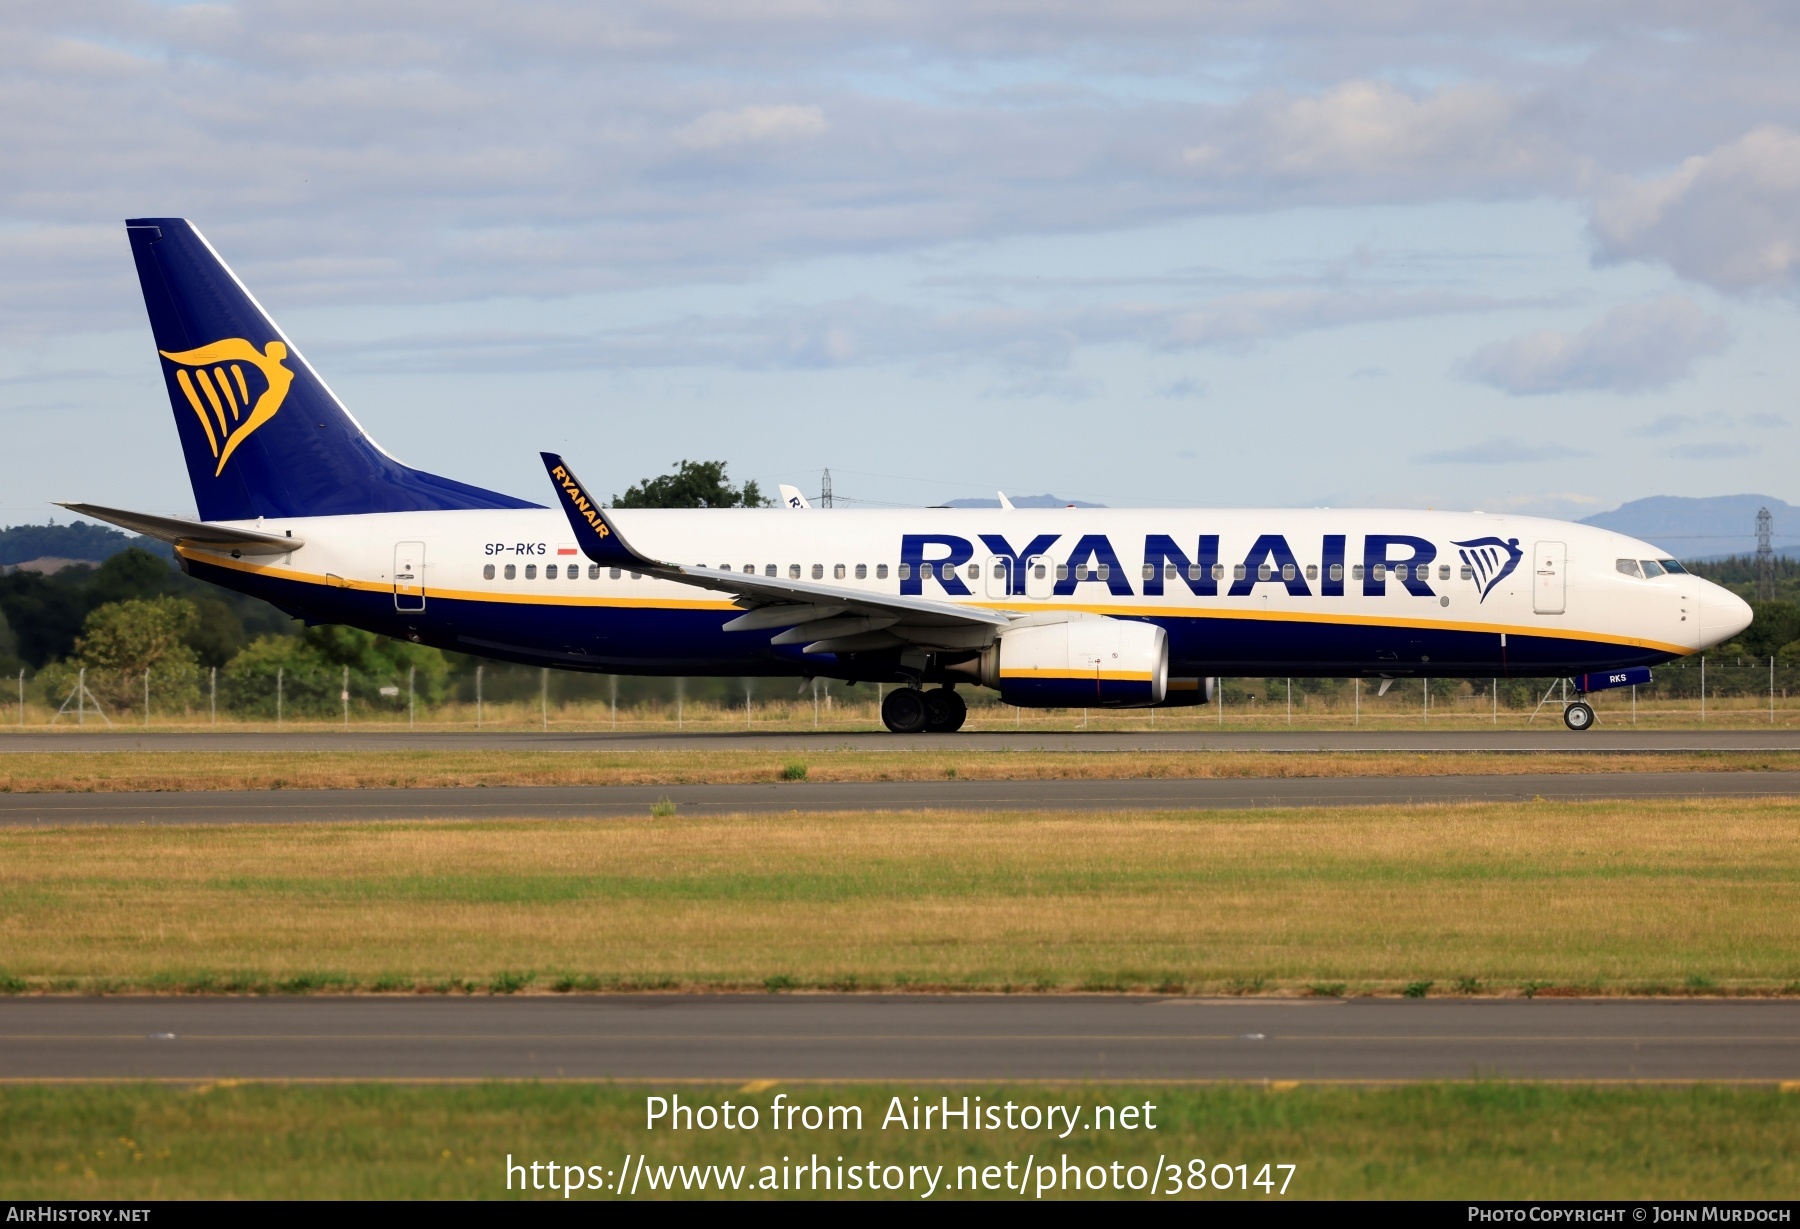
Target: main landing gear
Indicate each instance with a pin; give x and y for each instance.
(908, 710)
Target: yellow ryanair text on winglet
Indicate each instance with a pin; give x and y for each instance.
(572, 491)
(218, 370)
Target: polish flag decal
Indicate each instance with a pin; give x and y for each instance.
(565, 550)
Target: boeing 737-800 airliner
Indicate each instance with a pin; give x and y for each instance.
(1050, 607)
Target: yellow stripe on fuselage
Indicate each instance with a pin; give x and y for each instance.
(1117, 611)
(1111, 676)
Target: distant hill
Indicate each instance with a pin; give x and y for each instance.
(79, 541)
(1022, 501)
(1704, 528)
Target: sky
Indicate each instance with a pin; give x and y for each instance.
(1522, 256)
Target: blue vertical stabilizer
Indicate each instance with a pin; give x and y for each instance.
(262, 434)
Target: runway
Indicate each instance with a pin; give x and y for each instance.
(287, 806)
(851, 1037)
(1550, 737)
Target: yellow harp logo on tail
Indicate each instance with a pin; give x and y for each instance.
(212, 377)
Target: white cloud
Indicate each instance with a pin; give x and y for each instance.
(1364, 134)
(751, 125)
(1729, 218)
(1635, 348)
(1503, 450)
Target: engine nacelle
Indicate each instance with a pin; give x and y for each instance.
(1082, 663)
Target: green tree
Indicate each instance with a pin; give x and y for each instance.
(694, 484)
(121, 640)
(311, 670)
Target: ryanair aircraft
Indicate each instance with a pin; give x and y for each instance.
(1050, 607)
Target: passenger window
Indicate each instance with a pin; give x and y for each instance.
(1651, 568)
(1443, 571)
(837, 571)
(793, 571)
(574, 571)
(862, 571)
(1312, 571)
(1103, 571)
(818, 571)
(974, 571)
(1149, 572)
(1238, 572)
(549, 571)
(903, 572)
(1081, 571)
(1337, 571)
(1062, 571)
(487, 573)
(1629, 567)
(1287, 571)
(999, 571)
(1218, 571)
(1399, 571)
(768, 569)
(612, 573)
(1193, 571)
(637, 576)
(1264, 571)
(1468, 573)
(593, 571)
(925, 571)
(511, 571)
(881, 571)
(1038, 571)
(1356, 572)
(531, 571)
(1380, 571)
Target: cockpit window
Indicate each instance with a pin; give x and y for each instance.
(1652, 568)
(1630, 568)
(1673, 568)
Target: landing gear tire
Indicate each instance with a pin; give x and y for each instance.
(904, 711)
(945, 711)
(1579, 716)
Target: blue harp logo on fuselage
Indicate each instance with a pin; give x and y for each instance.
(1489, 560)
(230, 401)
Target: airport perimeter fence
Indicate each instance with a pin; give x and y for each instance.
(1703, 691)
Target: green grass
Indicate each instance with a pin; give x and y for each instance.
(1688, 897)
(380, 1141)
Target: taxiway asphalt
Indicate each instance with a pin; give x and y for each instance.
(1424, 740)
(286, 806)
(854, 1037)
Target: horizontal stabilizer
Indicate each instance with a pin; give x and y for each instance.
(178, 532)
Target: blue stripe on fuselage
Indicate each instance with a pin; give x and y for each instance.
(686, 641)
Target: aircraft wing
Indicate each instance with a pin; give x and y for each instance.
(824, 618)
(178, 532)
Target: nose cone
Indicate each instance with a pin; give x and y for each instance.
(1723, 614)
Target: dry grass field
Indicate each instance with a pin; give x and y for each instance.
(134, 771)
(1534, 898)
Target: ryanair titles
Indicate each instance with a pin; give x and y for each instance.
(578, 502)
(998, 568)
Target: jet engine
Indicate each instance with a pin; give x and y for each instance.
(1092, 662)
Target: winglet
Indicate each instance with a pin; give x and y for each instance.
(792, 498)
(595, 534)
(1004, 501)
